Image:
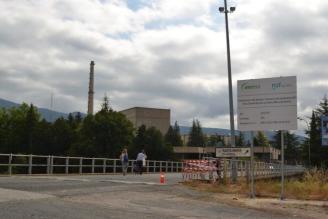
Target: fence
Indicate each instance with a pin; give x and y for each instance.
(206, 169)
(41, 164)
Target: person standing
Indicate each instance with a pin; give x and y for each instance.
(125, 161)
(141, 161)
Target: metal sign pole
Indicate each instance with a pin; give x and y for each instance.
(252, 165)
(282, 165)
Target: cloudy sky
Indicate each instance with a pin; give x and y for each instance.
(159, 53)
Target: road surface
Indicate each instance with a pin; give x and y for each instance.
(112, 196)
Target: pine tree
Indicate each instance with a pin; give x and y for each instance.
(105, 106)
(241, 140)
(196, 137)
(318, 153)
(261, 139)
(173, 136)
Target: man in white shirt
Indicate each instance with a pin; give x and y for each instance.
(141, 159)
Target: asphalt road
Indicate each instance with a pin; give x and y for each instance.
(111, 196)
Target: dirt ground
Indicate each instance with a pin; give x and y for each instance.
(308, 209)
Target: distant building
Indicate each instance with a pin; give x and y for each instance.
(267, 154)
(226, 138)
(150, 117)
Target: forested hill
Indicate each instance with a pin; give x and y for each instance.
(47, 114)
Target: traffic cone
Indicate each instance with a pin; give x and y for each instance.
(162, 178)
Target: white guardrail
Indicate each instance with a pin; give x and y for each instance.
(43, 164)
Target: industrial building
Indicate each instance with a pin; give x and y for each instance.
(150, 117)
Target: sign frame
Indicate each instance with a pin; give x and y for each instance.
(225, 152)
(267, 104)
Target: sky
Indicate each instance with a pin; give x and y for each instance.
(159, 53)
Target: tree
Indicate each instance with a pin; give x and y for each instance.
(139, 141)
(105, 106)
(4, 132)
(215, 141)
(104, 135)
(62, 137)
(319, 154)
(241, 140)
(261, 139)
(292, 148)
(173, 136)
(151, 140)
(31, 121)
(196, 137)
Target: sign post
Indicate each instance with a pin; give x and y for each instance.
(268, 104)
(282, 197)
(252, 165)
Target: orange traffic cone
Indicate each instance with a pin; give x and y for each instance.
(162, 178)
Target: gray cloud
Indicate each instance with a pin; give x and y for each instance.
(47, 47)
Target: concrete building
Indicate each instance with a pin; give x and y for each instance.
(226, 139)
(150, 117)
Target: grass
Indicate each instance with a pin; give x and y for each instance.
(313, 185)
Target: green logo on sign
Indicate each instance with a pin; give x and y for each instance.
(246, 86)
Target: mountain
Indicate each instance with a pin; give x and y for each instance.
(47, 114)
(184, 130)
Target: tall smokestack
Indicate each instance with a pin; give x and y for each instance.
(91, 92)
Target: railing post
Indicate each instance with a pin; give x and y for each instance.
(160, 166)
(93, 165)
(147, 166)
(171, 166)
(104, 166)
(132, 166)
(114, 167)
(10, 159)
(51, 164)
(48, 164)
(80, 165)
(30, 164)
(66, 165)
(154, 167)
(166, 166)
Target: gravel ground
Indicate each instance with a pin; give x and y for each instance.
(115, 196)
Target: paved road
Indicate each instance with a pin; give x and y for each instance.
(111, 196)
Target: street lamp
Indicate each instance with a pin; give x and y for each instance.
(232, 123)
(308, 126)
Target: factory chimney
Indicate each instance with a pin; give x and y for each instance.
(91, 85)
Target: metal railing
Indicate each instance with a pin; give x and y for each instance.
(224, 170)
(261, 169)
(42, 164)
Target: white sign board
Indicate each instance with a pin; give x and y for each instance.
(232, 152)
(267, 104)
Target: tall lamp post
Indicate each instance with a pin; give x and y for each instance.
(308, 126)
(225, 10)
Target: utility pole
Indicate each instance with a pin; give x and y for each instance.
(232, 123)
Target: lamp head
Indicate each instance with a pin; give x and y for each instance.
(232, 9)
(221, 9)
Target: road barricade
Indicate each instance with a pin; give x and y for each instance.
(199, 169)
